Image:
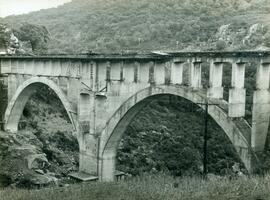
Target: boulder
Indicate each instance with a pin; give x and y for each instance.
(35, 179)
(37, 161)
(64, 159)
(39, 171)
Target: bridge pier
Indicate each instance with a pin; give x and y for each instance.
(12, 85)
(88, 161)
(3, 99)
(108, 161)
(177, 72)
(195, 74)
(159, 72)
(215, 80)
(261, 108)
(86, 131)
(237, 94)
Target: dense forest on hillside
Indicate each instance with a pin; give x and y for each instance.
(106, 25)
(167, 136)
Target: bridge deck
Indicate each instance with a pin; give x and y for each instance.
(155, 55)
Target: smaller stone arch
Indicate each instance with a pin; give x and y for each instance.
(22, 94)
(237, 130)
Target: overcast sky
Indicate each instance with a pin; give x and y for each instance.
(15, 7)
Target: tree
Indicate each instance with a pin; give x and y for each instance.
(3, 37)
(37, 35)
(220, 45)
(8, 42)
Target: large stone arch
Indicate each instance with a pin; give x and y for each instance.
(22, 94)
(237, 129)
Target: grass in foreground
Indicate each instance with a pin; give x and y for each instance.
(152, 187)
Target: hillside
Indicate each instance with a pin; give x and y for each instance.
(106, 25)
(167, 136)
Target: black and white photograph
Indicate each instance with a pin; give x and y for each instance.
(134, 100)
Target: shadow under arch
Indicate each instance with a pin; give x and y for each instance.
(237, 130)
(23, 93)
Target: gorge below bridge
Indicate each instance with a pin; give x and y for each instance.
(102, 93)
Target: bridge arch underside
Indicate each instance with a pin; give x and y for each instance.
(23, 93)
(118, 123)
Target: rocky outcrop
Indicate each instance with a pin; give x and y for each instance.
(255, 35)
(243, 5)
(44, 151)
(37, 161)
(243, 37)
(9, 43)
(27, 160)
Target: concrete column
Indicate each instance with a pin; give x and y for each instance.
(20, 66)
(116, 77)
(5, 66)
(101, 75)
(115, 71)
(86, 134)
(47, 68)
(159, 73)
(84, 114)
(88, 154)
(29, 67)
(64, 67)
(237, 94)
(215, 81)
(39, 67)
(14, 66)
(34, 70)
(129, 73)
(12, 86)
(3, 99)
(143, 72)
(262, 76)
(108, 169)
(78, 70)
(85, 74)
(73, 89)
(56, 68)
(177, 72)
(261, 108)
(195, 74)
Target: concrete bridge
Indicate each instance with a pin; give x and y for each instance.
(103, 93)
